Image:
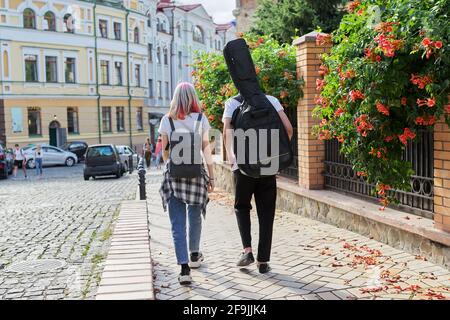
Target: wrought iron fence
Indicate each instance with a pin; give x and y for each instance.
(292, 170)
(340, 176)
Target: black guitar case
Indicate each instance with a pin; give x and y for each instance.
(254, 152)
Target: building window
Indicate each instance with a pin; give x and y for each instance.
(69, 23)
(149, 20)
(29, 19)
(51, 69)
(180, 59)
(103, 26)
(158, 55)
(139, 120)
(179, 30)
(137, 75)
(117, 31)
(120, 119)
(31, 68)
(150, 88)
(70, 70)
(150, 52)
(167, 90)
(6, 64)
(159, 90)
(104, 69)
(163, 26)
(106, 119)
(72, 120)
(166, 57)
(118, 67)
(50, 21)
(158, 24)
(136, 35)
(34, 121)
(198, 35)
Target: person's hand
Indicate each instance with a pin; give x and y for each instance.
(211, 186)
(231, 160)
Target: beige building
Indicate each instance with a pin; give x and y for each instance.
(244, 12)
(73, 70)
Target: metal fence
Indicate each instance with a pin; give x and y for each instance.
(340, 176)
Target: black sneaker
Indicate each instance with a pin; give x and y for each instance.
(196, 260)
(185, 276)
(264, 267)
(245, 259)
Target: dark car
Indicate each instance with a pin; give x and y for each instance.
(102, 160)
(6, 162)
(77, 147)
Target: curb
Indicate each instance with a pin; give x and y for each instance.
(128, 272)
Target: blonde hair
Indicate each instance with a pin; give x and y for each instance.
(184, 102)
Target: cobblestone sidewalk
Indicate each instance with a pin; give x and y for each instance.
(59, 217)
(310, 260)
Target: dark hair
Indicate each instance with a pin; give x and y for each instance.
(16, 145)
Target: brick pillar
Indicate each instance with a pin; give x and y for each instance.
(311, 151)
(442, 176)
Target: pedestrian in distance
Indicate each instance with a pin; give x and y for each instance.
(158, 153)
(147, 152)
(19, 161)
(186, 184)
(38, 158)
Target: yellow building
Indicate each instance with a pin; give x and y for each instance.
(73, 70)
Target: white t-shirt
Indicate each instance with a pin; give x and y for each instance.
(233, 104)
(18, 153)
(186, 125)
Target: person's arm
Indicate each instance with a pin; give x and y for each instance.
(165, 142)
(228, 137)
(206, 147)
(286, 123)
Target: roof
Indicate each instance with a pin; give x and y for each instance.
(185, 7)
(223, 26)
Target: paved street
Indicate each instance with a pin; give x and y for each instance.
(59, 217)
(310, 261)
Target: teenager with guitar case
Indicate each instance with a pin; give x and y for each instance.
(257, 136)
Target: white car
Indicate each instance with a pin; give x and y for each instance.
(51, 156)
(126, 150)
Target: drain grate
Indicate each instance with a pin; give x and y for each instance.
(35, 266)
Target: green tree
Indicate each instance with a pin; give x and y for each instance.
(285, 19)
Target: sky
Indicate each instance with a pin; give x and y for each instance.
(220, 10)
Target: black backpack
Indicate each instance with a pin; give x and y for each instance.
(182, 165)
(256, 118)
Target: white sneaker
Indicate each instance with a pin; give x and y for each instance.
(196, 260)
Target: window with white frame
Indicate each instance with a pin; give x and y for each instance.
(70, 69)
(117, 31)
(166, 57)
(137, 75)
(159, 90)
(104, 72)
(158, 55)
(29, 19)
(49, 21)
(198, 35)
(103, 27)
(31, 68)
(118, 72)
(51, 69)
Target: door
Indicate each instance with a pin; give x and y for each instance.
(53, 132)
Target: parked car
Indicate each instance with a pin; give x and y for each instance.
(77, 147)
(6, 162)
(126, 150)
(103, 160)
(51, 156)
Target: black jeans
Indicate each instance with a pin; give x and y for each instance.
(265, 191)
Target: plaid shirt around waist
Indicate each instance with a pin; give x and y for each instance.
(192, 191)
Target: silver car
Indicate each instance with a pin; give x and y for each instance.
(126, 150)
(51, 156)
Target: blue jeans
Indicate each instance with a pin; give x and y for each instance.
(177, 214)
(38, 163)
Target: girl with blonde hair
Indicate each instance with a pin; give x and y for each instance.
(186, 198)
